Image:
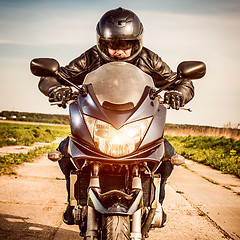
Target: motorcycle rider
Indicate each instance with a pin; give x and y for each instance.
(119, 38)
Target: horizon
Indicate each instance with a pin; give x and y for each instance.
(228, 125)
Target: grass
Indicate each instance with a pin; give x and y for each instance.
(202, 214)
(186, 167)
(57, 178)
(9, 161)
(180, 192)
(26, 134)
(210, 180)
(218, 152)
(228, 187)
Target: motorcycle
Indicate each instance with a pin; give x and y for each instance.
(117, 146)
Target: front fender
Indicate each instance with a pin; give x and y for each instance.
(115, 201)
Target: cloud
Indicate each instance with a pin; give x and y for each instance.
(42, 29)
(8, 41)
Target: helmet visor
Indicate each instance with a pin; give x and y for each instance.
(118, 44)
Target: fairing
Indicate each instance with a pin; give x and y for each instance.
(118, 83)
(82, 145)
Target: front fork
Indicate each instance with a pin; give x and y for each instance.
(92, 221)
(137, 216)
(92, 218)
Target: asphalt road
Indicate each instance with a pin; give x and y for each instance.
(32, 203)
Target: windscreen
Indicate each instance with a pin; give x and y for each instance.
(118, 83)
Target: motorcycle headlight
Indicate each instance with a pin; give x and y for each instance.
(117, 142)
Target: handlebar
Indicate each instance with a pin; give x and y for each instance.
(82, 90)
(154, 93)
(161, 101)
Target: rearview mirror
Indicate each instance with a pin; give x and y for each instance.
(191, 69)
(44, 67)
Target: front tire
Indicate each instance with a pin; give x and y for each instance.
(115, 227)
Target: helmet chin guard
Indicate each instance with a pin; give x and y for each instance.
(119, 29)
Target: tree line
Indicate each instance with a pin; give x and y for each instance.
(35, 117)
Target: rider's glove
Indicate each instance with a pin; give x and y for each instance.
(60, 94)
(174, 98)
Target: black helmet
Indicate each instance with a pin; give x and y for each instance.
(119, 29)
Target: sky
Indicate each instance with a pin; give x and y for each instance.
(204, 30)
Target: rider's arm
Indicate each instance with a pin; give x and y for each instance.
(74, 72)
(81, 66)
(185, 86)
(162, 74)
(47, 83)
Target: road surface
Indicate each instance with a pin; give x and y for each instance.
(32, 203)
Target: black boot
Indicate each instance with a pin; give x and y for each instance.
(66, 166)
(165, 170)
(68, 215)
(164, 219)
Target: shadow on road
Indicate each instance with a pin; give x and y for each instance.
(18, 228)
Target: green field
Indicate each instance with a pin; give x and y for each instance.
(9, 161)
(218, 152)
(26, 134)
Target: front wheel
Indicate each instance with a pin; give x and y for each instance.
(115, 227)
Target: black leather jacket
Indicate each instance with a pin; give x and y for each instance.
(147, 61)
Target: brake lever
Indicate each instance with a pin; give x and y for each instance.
(181, 108)
(82, 90)
(56, 103)
(60, 103)
(161, 101)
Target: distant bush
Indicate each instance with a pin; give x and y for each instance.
(196, 130)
